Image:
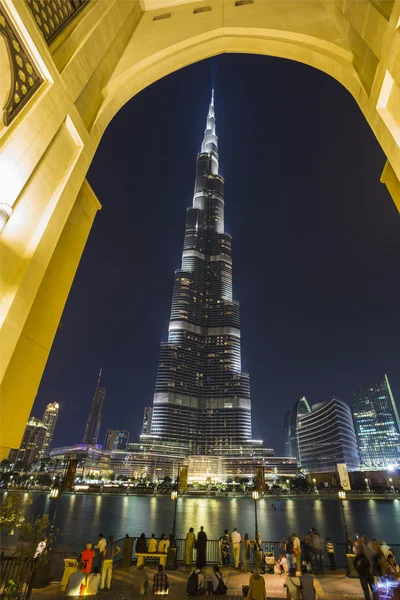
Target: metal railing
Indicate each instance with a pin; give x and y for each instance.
(15, 571)
(213, 553)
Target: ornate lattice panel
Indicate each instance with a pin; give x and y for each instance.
(25, 78)
(53, 15)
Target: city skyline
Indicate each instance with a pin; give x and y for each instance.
(287, 352)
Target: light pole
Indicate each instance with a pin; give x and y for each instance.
(257, 550)
(315, 485)
(367, 485)
(288, 485)
(55, 494)
(342, 497)
(174, 496)
(391, 485)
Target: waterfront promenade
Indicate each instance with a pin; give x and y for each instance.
(327, 587)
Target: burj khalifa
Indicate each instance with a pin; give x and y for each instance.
(202, 397)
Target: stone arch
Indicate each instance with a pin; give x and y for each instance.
(333, 59)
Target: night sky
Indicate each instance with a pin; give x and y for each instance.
(316, 245)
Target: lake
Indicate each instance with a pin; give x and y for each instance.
(81, 517)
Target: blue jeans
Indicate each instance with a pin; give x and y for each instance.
(289, 560)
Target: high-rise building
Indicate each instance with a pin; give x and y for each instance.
(32, 443)
(202, 397)
(291, 424)
(377, 424)
(96, 410)
(116, 440)
(49, 419)
(326, 438)
(147, 418)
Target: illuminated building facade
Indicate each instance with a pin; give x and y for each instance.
(92, 429)
(202, 397)
(32, 443)
(291, 425)
(326, 437)
(116, 439)
(49, 419)
(377, 424)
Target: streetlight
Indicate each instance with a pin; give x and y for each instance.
(367, 485)
(391, 484)
(315, 485)
(256, 496)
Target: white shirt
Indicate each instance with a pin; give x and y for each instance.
(284, 564)
(40, 549)
(200, 579)
(101, 545)
(74, 583)
(236, 537)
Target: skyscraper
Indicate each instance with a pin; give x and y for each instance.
(32, 442)
(96, 410)
(291, 425)
(377, 424)
(49, 419)
(202, 398)
(116, 439)
(326, 437)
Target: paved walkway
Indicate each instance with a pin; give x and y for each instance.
(327, 587)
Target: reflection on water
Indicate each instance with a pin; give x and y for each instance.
(82, 518)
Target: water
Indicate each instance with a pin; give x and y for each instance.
(81, 518)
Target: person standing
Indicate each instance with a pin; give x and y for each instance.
(87, 557)
(317, 547)
(257, 589)
(201, 545)
(152, 546)
(307, 584)
(289, 551)
(93, 582)
(307, 553)
(236, 539)
(189, 544)
(225, 541)
(107, 566)
(330, 550)
(363, 564)
(99, 549)
(296, 552)
(292, 585)
(160, 582)
(246, 552)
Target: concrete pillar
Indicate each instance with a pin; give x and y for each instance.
(25, 369)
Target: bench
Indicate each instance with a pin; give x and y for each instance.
(141, 556)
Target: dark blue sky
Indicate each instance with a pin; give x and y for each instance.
(316, 245)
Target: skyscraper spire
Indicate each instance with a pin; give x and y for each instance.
(96, 410)
(210, 141)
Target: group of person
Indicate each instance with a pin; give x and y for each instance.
(94, 568)
(297, 586)
(374, 562)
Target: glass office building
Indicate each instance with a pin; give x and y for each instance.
(291, 424)
(326, 437)
(377, 425)
(202, 397)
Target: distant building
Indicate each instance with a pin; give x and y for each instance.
(147, 418)
(32, 443)
(291, 424)
(96, 411)
(377, 424)
(326, 437)
(49, 419)
(116, 440)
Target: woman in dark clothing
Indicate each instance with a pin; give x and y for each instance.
(141, 544)
(307, 552)
(201, 546)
